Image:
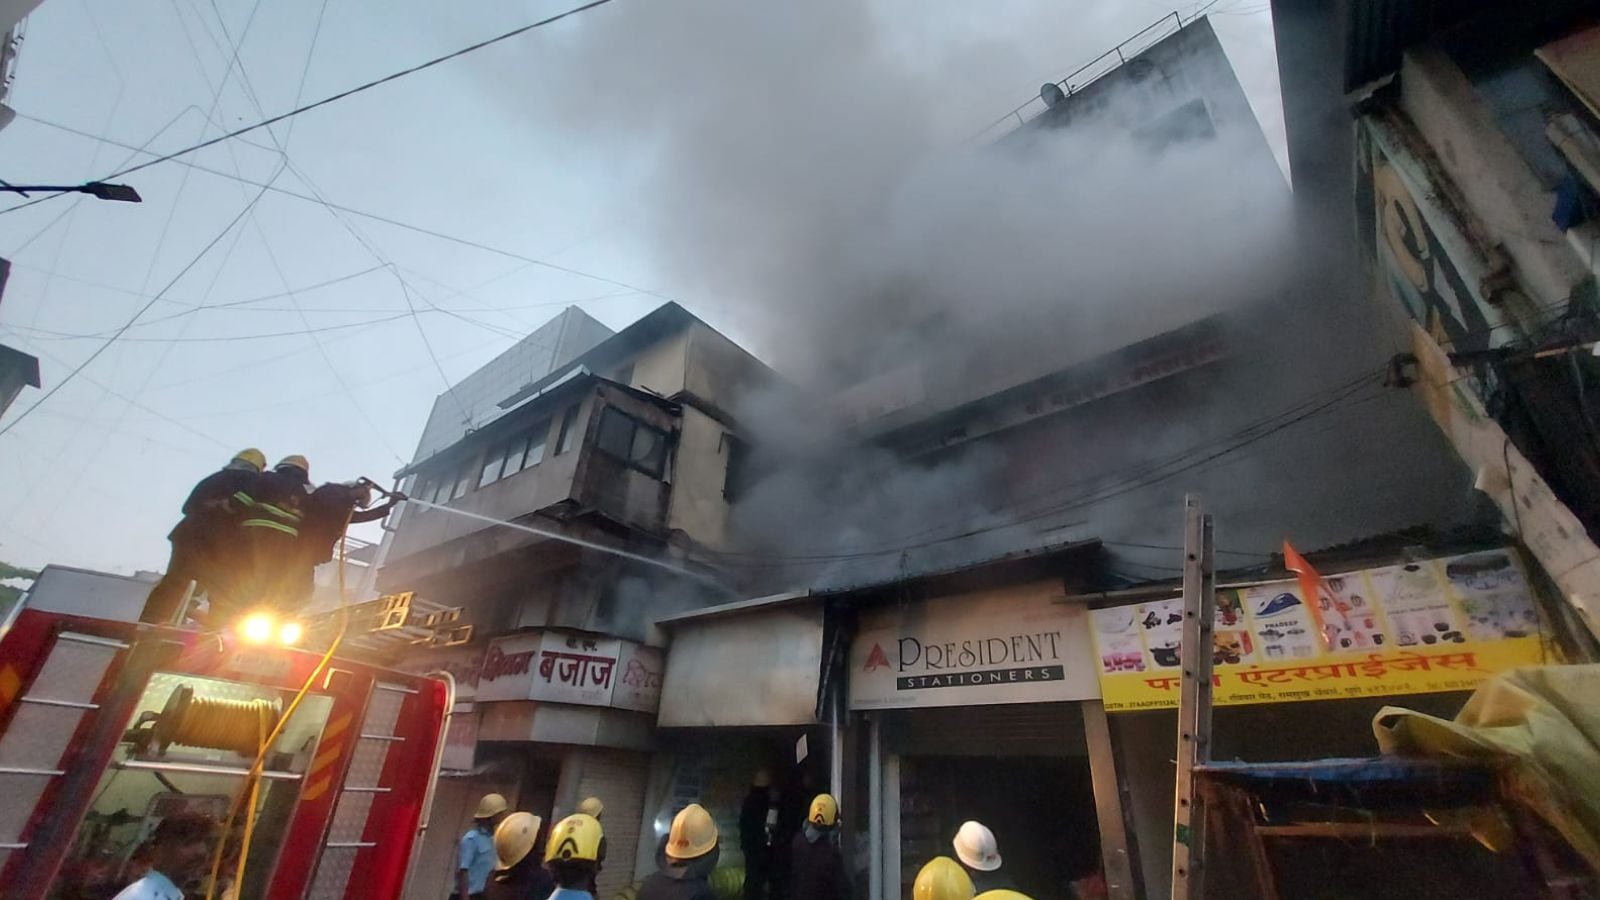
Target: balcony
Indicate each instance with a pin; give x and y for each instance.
(607, 475)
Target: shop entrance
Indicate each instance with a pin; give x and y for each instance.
(1020, 769)
(1040, 809)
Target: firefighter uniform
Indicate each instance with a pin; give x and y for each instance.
(271, 533)
(206, 546)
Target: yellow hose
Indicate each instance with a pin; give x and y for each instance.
(253, 777)
(219, 724)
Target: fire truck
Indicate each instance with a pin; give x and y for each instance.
(317, 769)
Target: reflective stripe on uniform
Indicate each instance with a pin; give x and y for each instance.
(244, 499)
(287, 515)
(268, 523)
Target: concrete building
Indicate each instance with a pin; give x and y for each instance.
(593, 440)
(1006, 635)
(1476, 148)
(17, 369)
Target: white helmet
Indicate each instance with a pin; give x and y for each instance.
(975, 847)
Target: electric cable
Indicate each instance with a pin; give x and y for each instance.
(1116, 484)
(68, 378)
(330, 99)
(386, 220)
(253, 775)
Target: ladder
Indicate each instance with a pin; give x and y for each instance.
(1194, 701)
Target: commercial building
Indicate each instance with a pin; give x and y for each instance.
(17, 369)
(1014, 663)
(587, 440)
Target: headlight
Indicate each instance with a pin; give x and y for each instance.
(290, 633)
(258, 627)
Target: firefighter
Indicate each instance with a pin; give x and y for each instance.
(816, 869)
(758, 818)
(942, 879)
(205, 544)
(574, 855)
(521, 874)
(691, 853)
(591, 806)
(328, 509)
(475, 855)
(178, 852)
(979, 854)
(1002, 894)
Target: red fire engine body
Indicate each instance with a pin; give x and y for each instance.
(94, 715)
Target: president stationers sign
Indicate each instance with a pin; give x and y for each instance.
(1017, 645)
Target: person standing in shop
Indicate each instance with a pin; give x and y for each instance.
(691, 853)
(475, 857)
(816, 868)
(758, 819)
(979, 854)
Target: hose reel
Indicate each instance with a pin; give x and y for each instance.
(212, 723)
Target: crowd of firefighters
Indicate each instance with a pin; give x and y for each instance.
(253, 537)
(496, 858)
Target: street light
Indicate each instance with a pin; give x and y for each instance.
(120, 192)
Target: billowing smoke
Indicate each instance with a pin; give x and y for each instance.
(801, 168)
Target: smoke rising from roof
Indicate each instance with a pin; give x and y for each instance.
(797, 165)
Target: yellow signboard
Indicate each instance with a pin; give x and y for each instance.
(1438, 625)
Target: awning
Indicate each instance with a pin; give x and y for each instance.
(756, 665)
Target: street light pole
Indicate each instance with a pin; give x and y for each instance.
(119, 192)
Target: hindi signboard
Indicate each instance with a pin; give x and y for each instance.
(1015, 645)
(551, 666)
(639, 673)
(1438, 625)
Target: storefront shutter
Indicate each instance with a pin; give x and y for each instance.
(618, 778)
(1013, 729)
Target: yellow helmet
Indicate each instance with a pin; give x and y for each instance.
(591, 806)
(515, 837)
(577, 838)
(295, 460)
(252, 456)
(824, 811)
(490, 806)
(1002, 894)
(942, 879)
(693, 834)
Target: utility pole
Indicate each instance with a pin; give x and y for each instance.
(1194, 701)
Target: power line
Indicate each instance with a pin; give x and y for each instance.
(331, 99)
(1112, 485)
(418, 229)
(67, 379)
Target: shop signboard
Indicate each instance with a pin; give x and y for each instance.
(1017, 645)
(1438, 625)
(465, 665)
(550, 666)
(639, 673)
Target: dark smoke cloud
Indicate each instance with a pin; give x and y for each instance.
(801, 166)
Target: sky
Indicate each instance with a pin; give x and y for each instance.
(277, 321)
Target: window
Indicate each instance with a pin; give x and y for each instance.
(535, 444)
(639, 445)
(738, 474)
(569, 419)
(493, 464)
(427, 489)
(463, 482)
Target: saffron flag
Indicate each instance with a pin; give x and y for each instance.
(1310, 589)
